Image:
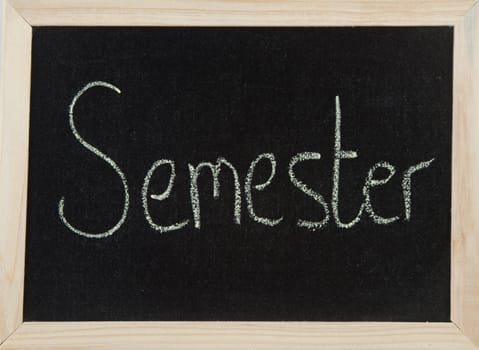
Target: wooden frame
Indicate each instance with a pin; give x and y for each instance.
(19, 17)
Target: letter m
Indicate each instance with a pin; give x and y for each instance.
(215, 171)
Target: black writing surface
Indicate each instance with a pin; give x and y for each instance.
(239, 174)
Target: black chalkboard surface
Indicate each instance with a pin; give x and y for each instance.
(239, 174)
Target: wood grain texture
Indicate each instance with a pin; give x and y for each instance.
(238, 335)
(14, 115)
(465, 199)
(241, 12)
(14, 92)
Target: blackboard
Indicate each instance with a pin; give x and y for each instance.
(306, 130)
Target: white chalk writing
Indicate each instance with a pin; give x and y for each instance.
(371, 181)
(160, 197)
(101, 155)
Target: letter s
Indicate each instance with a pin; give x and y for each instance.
(101, 155)
(301, 157)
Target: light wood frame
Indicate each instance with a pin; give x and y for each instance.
(19, 17)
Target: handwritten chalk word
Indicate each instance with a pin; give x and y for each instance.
(371, 182)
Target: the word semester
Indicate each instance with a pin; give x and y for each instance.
(366, 208)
